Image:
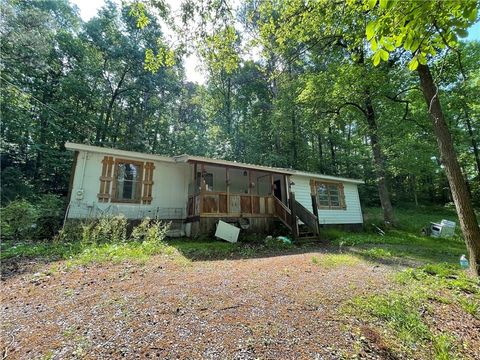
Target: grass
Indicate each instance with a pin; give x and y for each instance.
(335, 260)
(404, 314)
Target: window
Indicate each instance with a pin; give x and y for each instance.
(128, 181)
(330, 195)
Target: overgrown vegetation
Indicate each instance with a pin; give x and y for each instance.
(102, 240)
(404, 317)
(39, 219)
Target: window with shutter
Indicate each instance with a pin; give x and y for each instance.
(127, 184)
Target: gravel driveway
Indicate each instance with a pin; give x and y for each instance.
(282, 307)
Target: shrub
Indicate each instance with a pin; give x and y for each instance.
(18, 220)
(50, 216)
(110, 229)
(150, 231)
(276, 243)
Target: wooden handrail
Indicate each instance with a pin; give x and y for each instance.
(307, 217)
(282, 212)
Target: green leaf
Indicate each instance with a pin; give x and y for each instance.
(374, 44)
(383, 4)
(389, 46)
(422, 59)
(376, 59)
(370, 30)
(383, 54)
(473, 14)
(413, 64)
(462, 33)
(371, 4)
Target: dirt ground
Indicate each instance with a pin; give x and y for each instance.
(282, 307)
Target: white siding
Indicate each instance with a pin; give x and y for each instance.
(351, 215)
(169, 193)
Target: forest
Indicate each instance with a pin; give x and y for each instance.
(383, 91)
(289, 84)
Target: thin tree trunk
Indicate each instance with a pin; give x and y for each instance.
(463, 203)
(320, 153)
(379, 161)
(476, 153)
(332, 149)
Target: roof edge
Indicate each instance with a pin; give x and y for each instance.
(112, 151)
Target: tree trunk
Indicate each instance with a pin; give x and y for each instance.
(463, 204)
(320, 153)
(379, 162)
(332, 150)
(472, 139)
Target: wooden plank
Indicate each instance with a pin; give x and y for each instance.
(222, 203)
(270, 205)
(255, 204)
(234, 204)
(245, 204)
(210, 204)
(263, 205)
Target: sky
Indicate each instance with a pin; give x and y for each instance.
(89, 8)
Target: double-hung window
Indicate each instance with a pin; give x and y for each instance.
(128, 181)
(330, 195)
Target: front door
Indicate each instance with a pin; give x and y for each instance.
(277, 191)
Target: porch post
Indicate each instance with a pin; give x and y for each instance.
(202, 186)
(227, 180)
(293, 216)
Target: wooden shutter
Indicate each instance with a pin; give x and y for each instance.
(341, 191)
(106, 179)
(147, 183)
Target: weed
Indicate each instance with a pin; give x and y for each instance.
(377, 253)
(335, 260)
(443, 346)
(471, 307)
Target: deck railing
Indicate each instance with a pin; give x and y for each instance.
(225, 204)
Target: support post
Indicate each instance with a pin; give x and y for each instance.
(315, 212)
(294, 223)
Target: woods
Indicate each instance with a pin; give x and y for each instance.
(331, 88)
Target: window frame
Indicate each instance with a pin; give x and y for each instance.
(138, 198)
(341, 195)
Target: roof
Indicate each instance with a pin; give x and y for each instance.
(189, 158)
(117, 152)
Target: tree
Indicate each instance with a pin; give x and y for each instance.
(423, 28)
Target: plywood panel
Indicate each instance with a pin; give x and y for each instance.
(262, 204)
(234, 203)
(270, 207)
(245, 204)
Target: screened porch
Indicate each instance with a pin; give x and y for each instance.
(228, 191)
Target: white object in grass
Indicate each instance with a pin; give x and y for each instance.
(227, 232)
(445, 228)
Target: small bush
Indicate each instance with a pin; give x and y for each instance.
(276, 243)
(18, 220)
(50, 216)
(110, 229)
(150, 231)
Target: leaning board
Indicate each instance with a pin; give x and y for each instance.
(227, 232)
